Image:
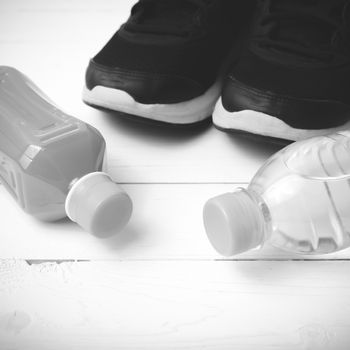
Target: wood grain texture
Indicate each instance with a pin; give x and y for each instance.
(172, 305)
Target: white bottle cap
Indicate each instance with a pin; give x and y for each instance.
(234, 223)
(98, 205)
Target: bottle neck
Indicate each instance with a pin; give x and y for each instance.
(261, 215)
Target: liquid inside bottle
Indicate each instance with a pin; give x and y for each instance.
(45, 152)
(303, 198)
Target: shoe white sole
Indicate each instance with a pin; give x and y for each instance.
(187, 112)
(265, 125)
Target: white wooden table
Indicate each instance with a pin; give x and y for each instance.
(159, 284)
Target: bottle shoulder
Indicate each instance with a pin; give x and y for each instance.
(317, 159)
(321, 158)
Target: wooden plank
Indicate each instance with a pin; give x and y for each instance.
(166, 224)
(175, 305)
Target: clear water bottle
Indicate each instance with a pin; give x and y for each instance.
(299, 200)
(50, 162)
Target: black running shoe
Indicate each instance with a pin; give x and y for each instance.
(292, 80)
(164, 62)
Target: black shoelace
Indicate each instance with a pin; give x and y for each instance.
(169, 17)
(315, 29)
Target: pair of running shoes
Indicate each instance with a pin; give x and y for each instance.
(277, 69)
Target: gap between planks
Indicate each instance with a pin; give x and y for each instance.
(45, 261)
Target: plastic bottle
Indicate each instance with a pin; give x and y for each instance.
(299, 201)
(51, 162)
